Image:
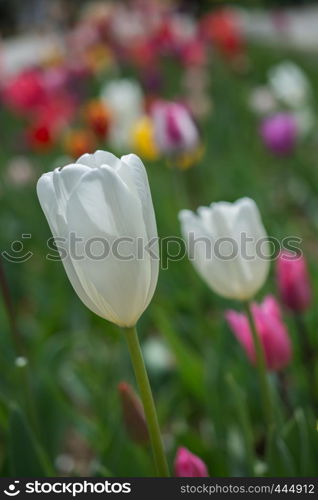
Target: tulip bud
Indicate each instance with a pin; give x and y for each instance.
(293, 281)
(187, 464)
(217, 239)
(271, 330)
(106, 200)
(133, 413)
(279, 133)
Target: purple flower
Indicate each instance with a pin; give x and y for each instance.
(279, 133)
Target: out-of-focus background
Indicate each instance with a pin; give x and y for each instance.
(219, 99)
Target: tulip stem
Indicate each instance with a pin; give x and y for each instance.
(148, 402)
(261, 366)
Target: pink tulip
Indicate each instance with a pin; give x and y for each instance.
(293, 281)
(25, 92)
(271, 330)
(193, 53)
(174, 128)
(187, 464)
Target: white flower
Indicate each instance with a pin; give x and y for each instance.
(157, 355)
(289, 84)
(124, 99)
(262, 101)
(228, 245)
(101, 199)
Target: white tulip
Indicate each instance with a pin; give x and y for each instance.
(228, 245)
(289, 84)
(124, 99)
(100, 199)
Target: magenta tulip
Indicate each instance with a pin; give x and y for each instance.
(271, 330)
(279, 133)
(293, 281)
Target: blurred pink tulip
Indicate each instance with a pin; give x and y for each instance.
(25, 92)
(174, 128)
(293, 281)
(271, 329)
(187, 464)
(194, 53)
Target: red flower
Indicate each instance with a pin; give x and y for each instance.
(222, 29)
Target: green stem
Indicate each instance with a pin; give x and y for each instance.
(308, 355)
(261, 366)
(147, 400)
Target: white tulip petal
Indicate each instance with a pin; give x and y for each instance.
(140, 180)
(46, 194)
(88, 160)
(202, 253)
(102, 207)
(106, 158)
(56, 220)
(65, 181)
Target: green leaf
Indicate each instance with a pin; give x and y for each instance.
(280, 461)
(297, 434)
(26, 459)
(240, 400)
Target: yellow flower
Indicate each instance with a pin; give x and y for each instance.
(143, 141)
(99, 58)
